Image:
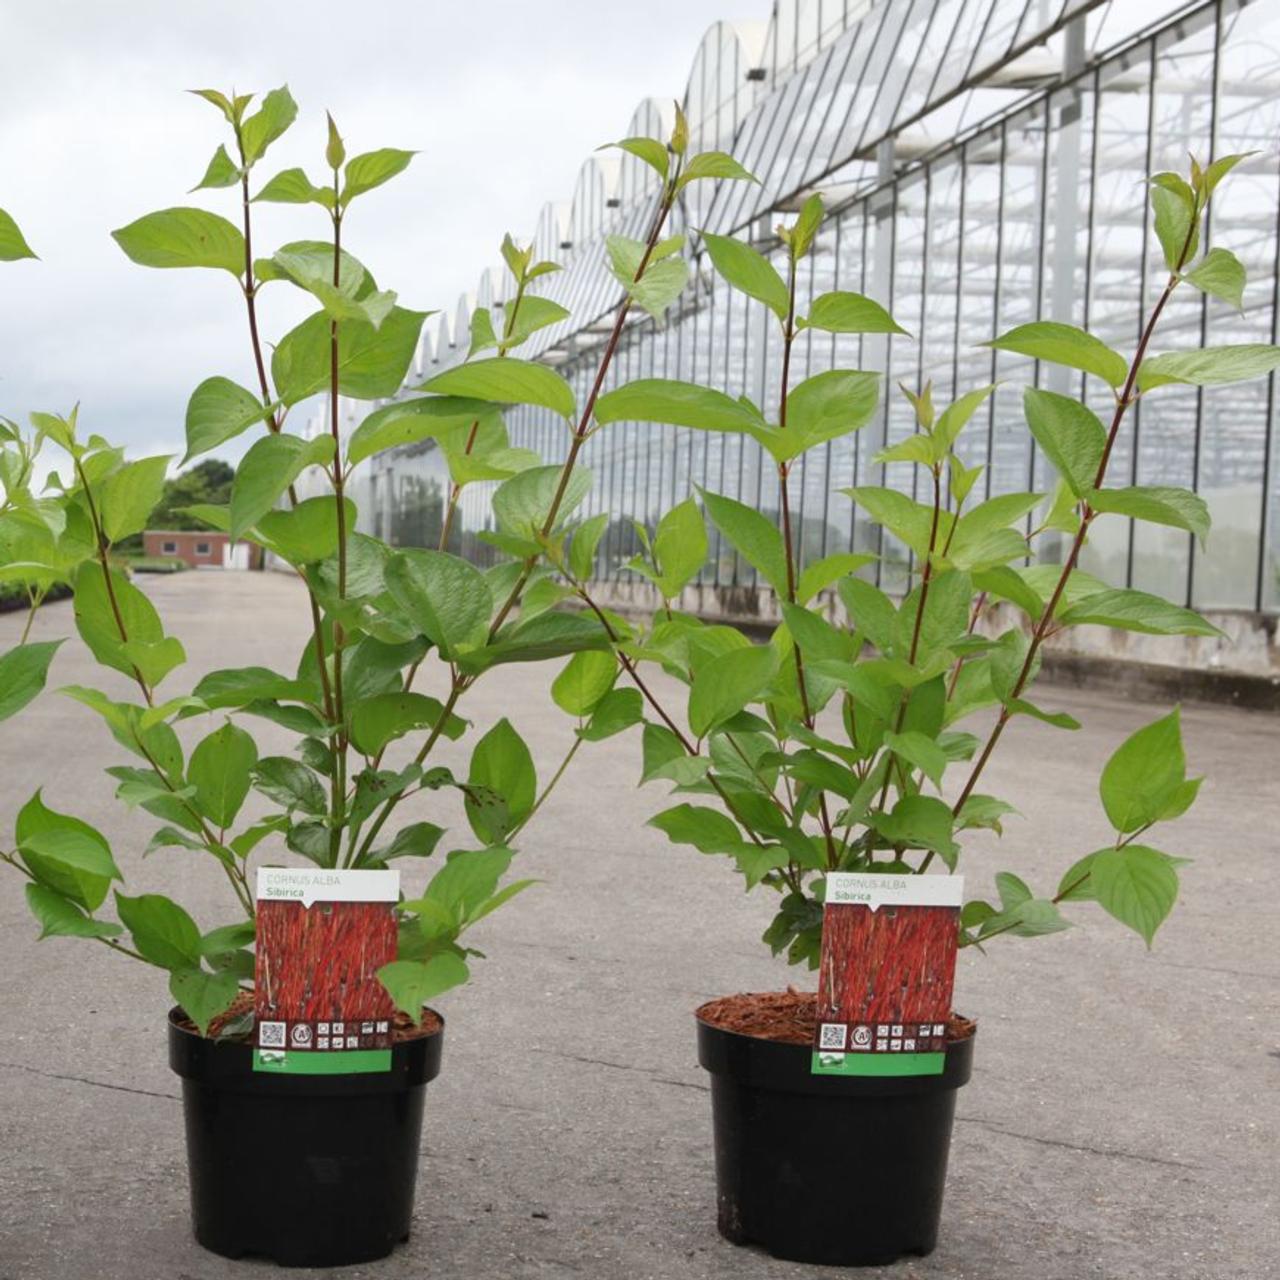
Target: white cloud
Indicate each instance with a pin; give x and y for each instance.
(504, 102)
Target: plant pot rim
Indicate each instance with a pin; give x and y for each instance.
(228, 1065)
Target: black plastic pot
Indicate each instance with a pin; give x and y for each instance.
(838, 1170)
(309, 1171)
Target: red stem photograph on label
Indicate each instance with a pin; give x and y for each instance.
(319, 963)
(895, 964)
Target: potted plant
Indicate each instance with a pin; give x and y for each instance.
(336, 1182)
(834, 746)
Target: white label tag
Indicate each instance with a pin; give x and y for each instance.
(872, 890)
(314, 884)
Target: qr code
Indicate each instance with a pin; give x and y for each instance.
(832, 1035)
(271, 1035)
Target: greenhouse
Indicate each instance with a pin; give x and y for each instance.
(984, 163)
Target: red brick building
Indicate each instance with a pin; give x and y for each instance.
(202, 549)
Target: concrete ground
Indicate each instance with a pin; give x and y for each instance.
(1122, 1120)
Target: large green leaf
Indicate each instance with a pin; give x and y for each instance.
(1138, 885)
(1177, 218)
(506, 380)
(708, 830)
(585, 680)
(275, 114)
(372, 363)
(100, 614)
(713, 164)
(307, 533)
(218, 411)
(203, 996)
(754, 536)
(23, 671)
(546, 635)
(825, 407)
(726, 684)
(522, 504)
(411, 983)
(162, 931)
(1064, 344)
(372, 169)
(1129, 610)
(12, 244)
(77, 861)
(1144, 775)
(384, 717)
(1070, 434)
(60, 917)
(409, 421)
(129, 495)
(1179, 508)
(289, 783)
(1209, 366)
(843, 312)
(680, 547)
(183, 238)
(902, 516)
(220, 769)
(501, 763)
(748, 271)
(447, 599)
(271, 465)
(1220, 274)
(680, 404)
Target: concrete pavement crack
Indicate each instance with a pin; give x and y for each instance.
(97, 1084)
(623, 1066)
(1109, 1152)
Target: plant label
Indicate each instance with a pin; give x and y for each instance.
(887, 972)
(322, 936)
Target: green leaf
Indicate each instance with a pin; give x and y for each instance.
(919, 752)
(277, 112)
(384, 717)
(547, 635)
(663, 278)
(708, 830)
(825, 407)
(222, 172)
(1220, 275)
(59, 917)
(1210, 366)
(1136, 884)
(650, 150)
(522, 505)
(920, 822)
(292, 186)
(162, 931)
(129, 495)
(815, 637)
(506, 380)
(147, 651)
(1144, 774)
(1065, 344)
(271, 465)
(289, 783)
(409, 421)
(372, 363)
(1178, 508)
(619, 709)
(680, 404)
(307, 533)
(680, 547)
(905, 518)
(417, 840)
(713, 164)
(749, 272)
(203, 996)
(843, 312)
(65, 854)
(183, 238)
(753, 535)
(447, 599)
(870, 610)
(372, 169)
(727, 683)
(411, 983)
(501, 763)
(218, 411)
(822, 573)
(12, 244)
(23, 671)
(220, 769)
(1177, 218)
(1070, 434)
(1128, 610)
(984, 812)
(466, 882)
(585, 680)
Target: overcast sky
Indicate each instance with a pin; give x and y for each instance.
(503, 100)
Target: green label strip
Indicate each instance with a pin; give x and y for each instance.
(878, 1064)
(349, 1062)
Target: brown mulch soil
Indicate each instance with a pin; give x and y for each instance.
(402, 1025)
(789, 1017)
